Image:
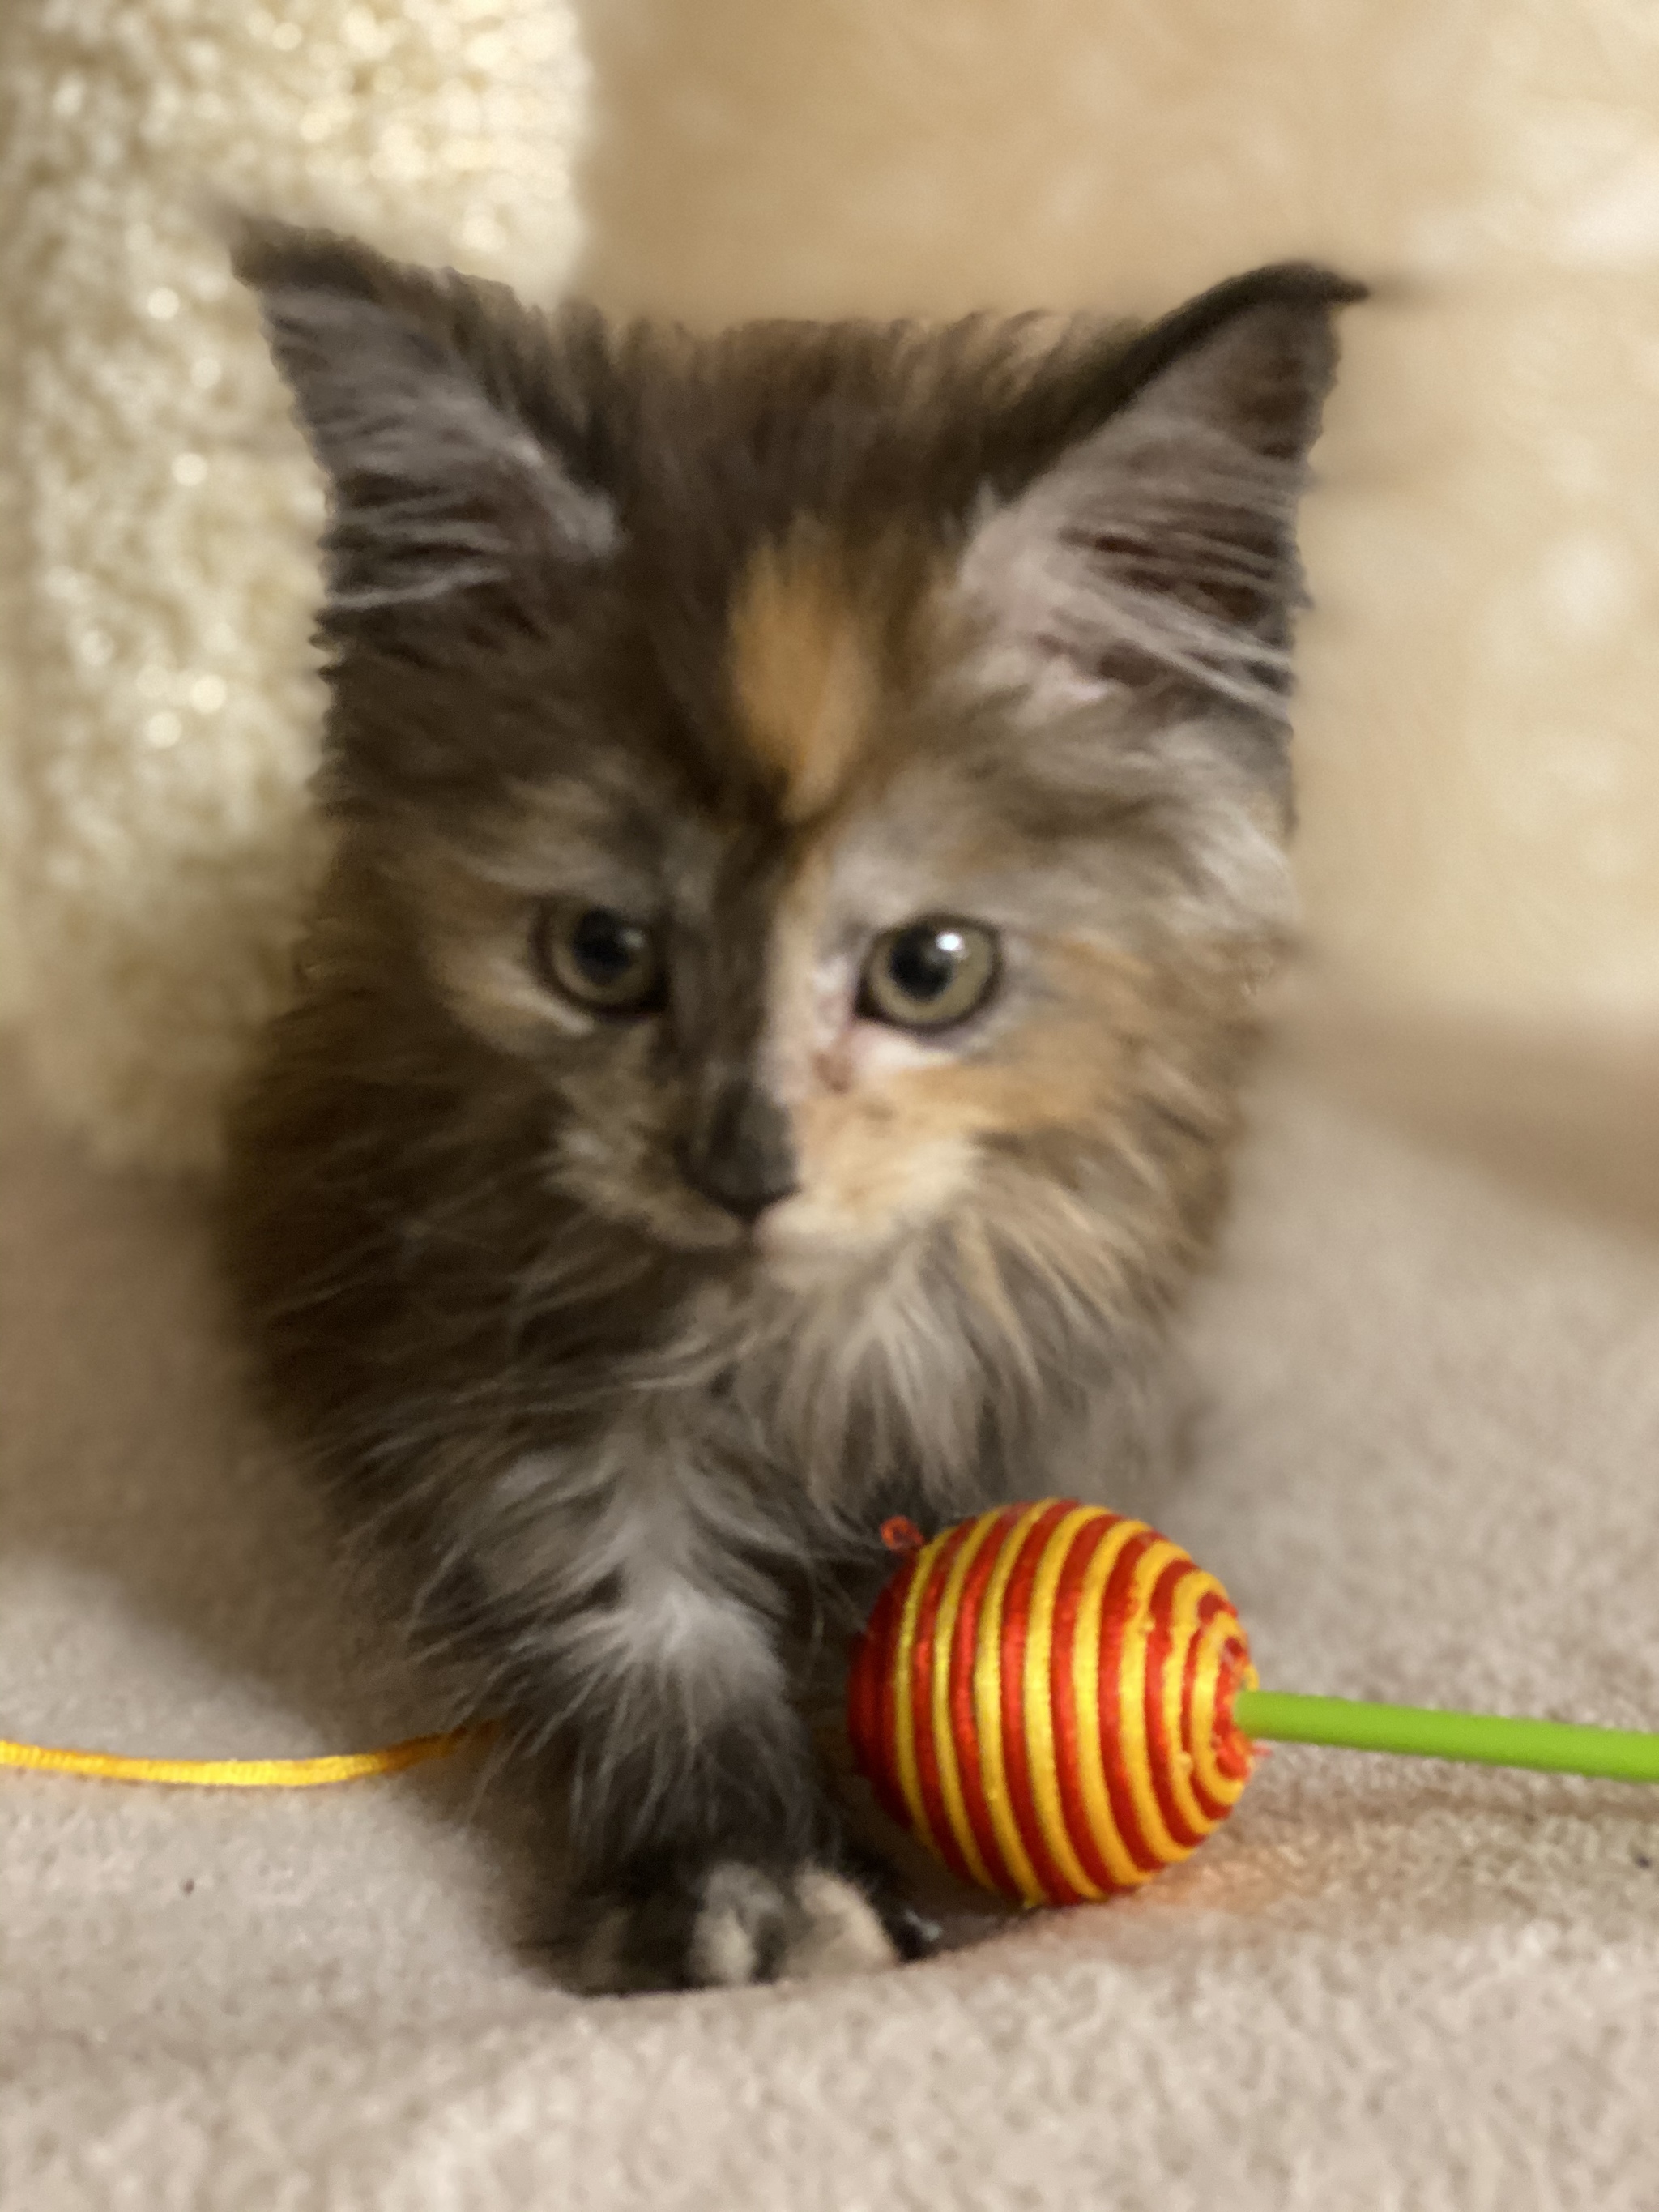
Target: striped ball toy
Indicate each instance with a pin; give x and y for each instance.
(1044, 1696)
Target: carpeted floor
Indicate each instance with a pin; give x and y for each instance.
(1428, 1467)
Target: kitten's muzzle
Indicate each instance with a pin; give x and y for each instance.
(740, 1153)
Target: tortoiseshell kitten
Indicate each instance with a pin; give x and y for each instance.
(810, 810)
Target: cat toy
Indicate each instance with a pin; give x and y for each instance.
(1059, 1703)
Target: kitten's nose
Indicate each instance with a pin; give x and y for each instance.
(740, 1152)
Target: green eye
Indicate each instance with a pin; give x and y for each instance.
(929, 974)
(600, 958)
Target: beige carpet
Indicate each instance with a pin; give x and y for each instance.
(1428, 1468)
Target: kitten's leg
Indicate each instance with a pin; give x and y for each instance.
(708, 1850)
(712, 1857)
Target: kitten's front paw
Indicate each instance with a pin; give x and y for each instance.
(733, 1924)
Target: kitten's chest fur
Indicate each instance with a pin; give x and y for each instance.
(563, 1423)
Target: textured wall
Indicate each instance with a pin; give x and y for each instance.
(1480, 785)
(158, 512)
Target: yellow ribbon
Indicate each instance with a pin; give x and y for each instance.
(243, 1773)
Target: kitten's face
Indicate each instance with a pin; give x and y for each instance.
(809, 1021)
(834, 767)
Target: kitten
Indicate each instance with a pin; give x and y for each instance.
(810, 809)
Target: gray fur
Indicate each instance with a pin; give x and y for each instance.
(439, 482)
(625, 1335)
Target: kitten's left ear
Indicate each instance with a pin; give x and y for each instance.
(450, 425)
(1158, 539)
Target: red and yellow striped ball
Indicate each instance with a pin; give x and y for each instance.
(1044, 1696)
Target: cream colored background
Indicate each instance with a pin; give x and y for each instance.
(1480, 776)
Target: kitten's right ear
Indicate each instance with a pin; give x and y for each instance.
(1156, 534)
(453, 440)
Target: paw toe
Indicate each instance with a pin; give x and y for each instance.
(739, 1933)
(836, 1929)
(732, 1924)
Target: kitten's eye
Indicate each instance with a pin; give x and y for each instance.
(928, 974)
(600, 958)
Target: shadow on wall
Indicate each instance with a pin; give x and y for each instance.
(1481, 792)
(1564, 1116)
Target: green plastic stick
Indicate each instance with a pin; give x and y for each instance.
(1556, 1746)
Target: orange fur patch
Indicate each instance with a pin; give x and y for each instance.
(802, 670)
(1139, 1055)
(897, 1145)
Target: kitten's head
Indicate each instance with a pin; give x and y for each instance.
(846, 765)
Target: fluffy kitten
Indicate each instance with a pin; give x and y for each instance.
(809, 811)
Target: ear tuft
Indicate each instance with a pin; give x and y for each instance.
(419, 393)
(1159, 544)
